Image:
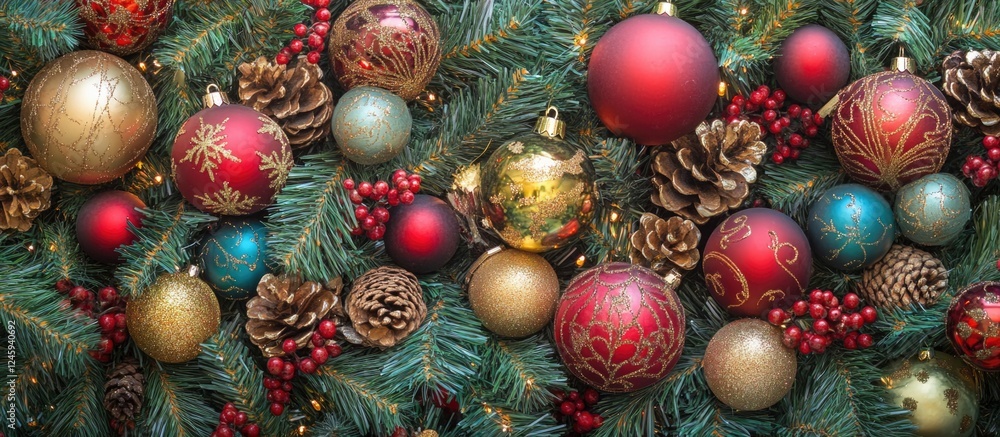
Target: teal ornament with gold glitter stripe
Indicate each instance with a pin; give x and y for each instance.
(233, 258)
(850, 227)
(933, 210)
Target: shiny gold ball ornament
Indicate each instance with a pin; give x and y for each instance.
(88, 117)
(538, 192)
(173, 317)
(746, 365)
(939, 390)
(514, 293)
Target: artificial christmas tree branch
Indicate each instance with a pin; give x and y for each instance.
(80, 409)
(522, 372)
(356, 391)
(174, 404)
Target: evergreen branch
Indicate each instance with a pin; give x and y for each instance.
(48, 29)
(901, 23)
(174, 405)
(980, 255)
(709, 417)
(80, 407)
(908, 330)
(523, 373)
(61, 254)
(850, 19)
(792, 188)
(625, 189)
(575, 27)
(331, 426)
(488, 419)
(777, 19)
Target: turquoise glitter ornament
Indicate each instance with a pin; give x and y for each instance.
(850, 227)
(371, 125)
(233, 258)
(933, 210)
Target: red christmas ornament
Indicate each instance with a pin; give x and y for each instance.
(652, 78)
(102, 224)
(619, 327)
(891, 128)
(757, 259)
(230, 159)
(813, 65)
(124, 27)
(421, 237)
(973, 325)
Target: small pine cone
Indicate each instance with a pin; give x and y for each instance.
(971, 80)
(285, 307)
(25, 191)
(706, 173)
(665, 244)
(903, 277)
(293, 95)
(123, 394)
(385, 305)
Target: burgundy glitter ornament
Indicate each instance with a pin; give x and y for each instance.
(973, 325)
(423, 236)
(124, 27)
(619, 327)
(813, 65)
(102, 224)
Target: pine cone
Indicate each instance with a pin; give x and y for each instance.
(706, 173)
(903, 277)
(294, 96)
(123, 394)
(385, 305)
(971, 80)
(286, 307)
(25, 191)
(665, 244)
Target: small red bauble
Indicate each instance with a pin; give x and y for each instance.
(652, 78)
(102, 224)
(813, 65)
(891, 128)
(421, 237)
(123, 27)
(619, 327)
(756, 259)
(230, 160)
(973, 325)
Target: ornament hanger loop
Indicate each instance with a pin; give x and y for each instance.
(214, 96)
(549, 125)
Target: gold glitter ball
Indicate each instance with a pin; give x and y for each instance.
(940, 390)
(173, 317)
(747, 367)
(514, 293)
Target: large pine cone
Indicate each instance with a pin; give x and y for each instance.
(971, 80)
(25, 191)
(286, 307)
(903, 277)
(123, 393)
(704, 174)
(663, 245)
(385, 305)
(294, 96)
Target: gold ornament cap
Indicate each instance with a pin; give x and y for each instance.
(550, 126)
(903, 63)
(214, 98)
(666, 8)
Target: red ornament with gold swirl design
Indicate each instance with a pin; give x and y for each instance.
(891, 128)
(973, 325)
(755, 259)
(124, 27)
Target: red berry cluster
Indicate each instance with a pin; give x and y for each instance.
(282, 370)
(372, 219)
(110, 318)
(832, 320)
(790, 128)
(573, 408)
(981, 170)
(311, 35)
(4, 85)
(233, 418)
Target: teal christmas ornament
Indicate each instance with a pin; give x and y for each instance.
(933, 210)
(233, 258)
(850, 227)
(371, 125)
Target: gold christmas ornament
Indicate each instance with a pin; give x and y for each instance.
(171, 319)
(25, 191)
(88, 117)
(514, 293)
(287, 307)
(746, 365)
(940, 390)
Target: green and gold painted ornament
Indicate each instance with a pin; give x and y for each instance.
(170, 319)
(940, 391)
(233, 257)
(538, 192)
(371, 125)
(933, 210)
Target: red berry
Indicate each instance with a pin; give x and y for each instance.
(770, 115)
(765, 90)
(78, 293)
(812, 131)
(271, 383)
(966, 170)
(398, 175)
(252, 430)
(223, 431)
(414, 183)
(818, 343)
(738, 100)
(865, 341)
(403, 185)
(794, 111)
(314, 41)
(821, 326)
(869, 314)
(804, 348)
(827, 295)
(381, 188)
(355, 197)
(282, 59)
(851, 301)
(794, 333)
(300, 30)
(776, 316)
(365, 189)
(287, 371)
(4, 84)
(800, 308)
(591, 396)
(580, 406)
(381, 214)
(334, 350)
(991, 142)
(567, 408)
(795, 153)
(817, 119)
(240, 419)
(376, 232)
(757, 97)
(295, 46)
(585, 420)
(361, 212)
(286, 386)
(785, 151)
(228, 415)
(777, 158)
(785, 121)
(277, 409)
(976, 162)
(106, 346)
(307, 366)
(323, 15)
(733, 109)
(322, 3)
(317, 340)
(120, 336)
(817, 311)
(393, 197)
(856, 321)
(775, 127)
(834, 314)
(313, 56)
(598, 420)
(993, 154)
(751, 107)
(779, 95)
(289, 346)
(274, 365)
(327, 329)
(795, 140)
(107, 294)
(406, 197)
(368, 223)
(816, 296)
(357, 231)
(107, 323)
(850, 343)
(770, 104)
(979, 182)
(321, 28)
(399, 432)
(348, 184)
(986, 172)
(833, 302)
(319, 355)
(574, 396)
(807, 114)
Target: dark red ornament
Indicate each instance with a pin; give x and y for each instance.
(619, 327)
(973, 325)
(813, 65)
(123, 27)
(652, 78)
(755, 260)
(102, 224)
(421, 237)
(890, 129)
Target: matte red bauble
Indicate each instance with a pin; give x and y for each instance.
(755, 259)
(102, 224)
(619, 327)
(230, 160)
(652, 78)
(813, 65)
(891, 128)
(123, 27)
(423, 236)
(973, 325)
